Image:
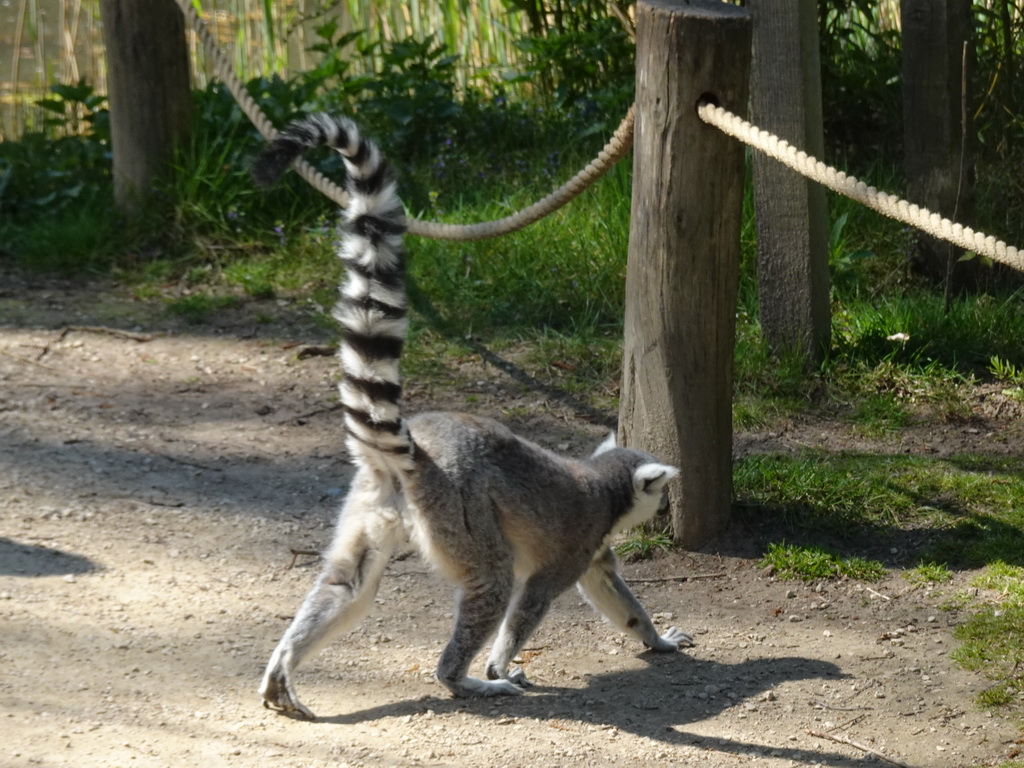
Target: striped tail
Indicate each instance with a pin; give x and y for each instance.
(372, 308)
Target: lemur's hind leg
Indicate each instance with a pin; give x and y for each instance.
(523, 616)
(606, 591)
(368, 530)
(482, 601)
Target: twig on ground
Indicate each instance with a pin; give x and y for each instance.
(317, 412)
(691, 577)
(21, 359)
(877, 594)
(142, 338)
(297, 552)
(826, 705)
(313, 350)
(176, 460)
(851, 721)
(862, 747)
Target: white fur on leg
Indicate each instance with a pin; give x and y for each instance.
(603, 587)
(367, 531)
(474, 686)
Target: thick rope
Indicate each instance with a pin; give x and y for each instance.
(613, 151)
(886, 204)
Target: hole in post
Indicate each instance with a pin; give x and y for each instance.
(707, 98)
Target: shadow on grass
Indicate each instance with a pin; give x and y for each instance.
(964, 511)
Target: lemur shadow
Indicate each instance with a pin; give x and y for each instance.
(656, 702)
(17, 559)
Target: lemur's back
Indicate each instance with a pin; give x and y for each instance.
(475, 480)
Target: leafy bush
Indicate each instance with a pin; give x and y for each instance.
(47, 172)
(588, 71)
(860, 80)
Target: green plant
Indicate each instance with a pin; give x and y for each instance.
(411, 96)
(76, 109)
(199, 307)
(811, 563)
(588, 69)
(928, 572)
(998, 47)
(58, 168)
(860, 76)
(880, 414)
(992, 641)
(1008, 373)
(643, 543)
(565, 273)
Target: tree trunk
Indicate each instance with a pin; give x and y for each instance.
(149, 92)
(936, 121)
(792, 214)
(683, 269)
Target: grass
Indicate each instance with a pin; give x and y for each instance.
(928, 572)
(199, 308)
(641, 544)
(991, 642)
(810, 563)
(565, 273)
(965, 511)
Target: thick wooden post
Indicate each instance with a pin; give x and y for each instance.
(792, 213)
(684, 254)
(149, 91)
(934, 112)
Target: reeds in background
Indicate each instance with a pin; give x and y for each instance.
(43, 42)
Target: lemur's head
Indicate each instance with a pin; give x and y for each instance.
(650, 481)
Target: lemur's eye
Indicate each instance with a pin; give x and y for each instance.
(663, 504)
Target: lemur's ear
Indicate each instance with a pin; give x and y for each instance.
(652, 478)
(607, 445)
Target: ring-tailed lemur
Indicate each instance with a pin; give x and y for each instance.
(510, 523)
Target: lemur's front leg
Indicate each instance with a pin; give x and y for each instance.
(606, 591)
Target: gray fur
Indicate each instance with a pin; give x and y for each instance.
(510, 524)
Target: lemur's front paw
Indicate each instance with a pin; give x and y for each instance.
(516, 676)
(673, 640)
(278, 693)
(471, 687)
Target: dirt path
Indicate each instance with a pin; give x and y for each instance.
(151, 492)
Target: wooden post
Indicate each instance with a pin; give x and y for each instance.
(933, 38)
(792, 213)
(683, 266)
(149, 91)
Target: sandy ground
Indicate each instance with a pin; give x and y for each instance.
(152, 492)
